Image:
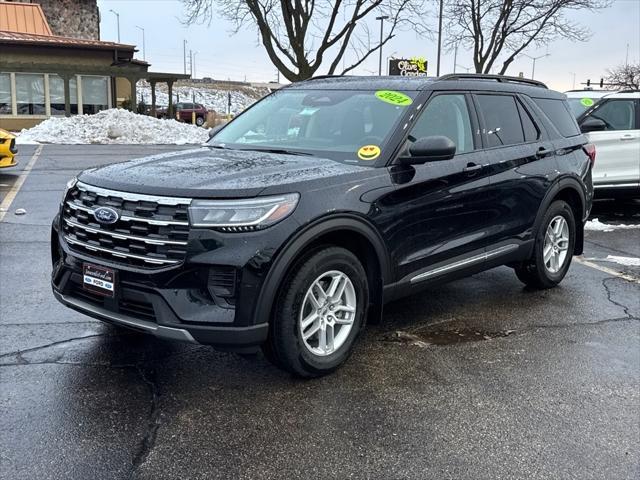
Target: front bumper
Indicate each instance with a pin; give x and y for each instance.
(171, 303)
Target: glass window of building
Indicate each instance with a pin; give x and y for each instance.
(5, 94)
(30, 93)
(56, 94)
(95, 94)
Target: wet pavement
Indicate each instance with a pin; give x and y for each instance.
(479, 378)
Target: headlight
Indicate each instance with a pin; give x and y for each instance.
(242, 215)
(70, 184)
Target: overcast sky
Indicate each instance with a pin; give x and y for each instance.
(221, 55)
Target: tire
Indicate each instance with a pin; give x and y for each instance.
(538, 273)
(299, 325)
(199, 121)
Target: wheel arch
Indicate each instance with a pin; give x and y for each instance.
(345, 230)
(569, 190)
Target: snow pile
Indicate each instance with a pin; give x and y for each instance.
(113, 126)
(212, 98)
(596, 225)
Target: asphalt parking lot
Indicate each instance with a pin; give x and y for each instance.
(475, 379)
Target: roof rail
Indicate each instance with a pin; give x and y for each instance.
(320, 77)
(497, 78)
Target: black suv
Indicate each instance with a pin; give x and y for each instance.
(299, 219)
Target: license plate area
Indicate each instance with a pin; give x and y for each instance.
(99, 280)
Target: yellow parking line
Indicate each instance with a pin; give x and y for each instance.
(610, 271)
(11, 195)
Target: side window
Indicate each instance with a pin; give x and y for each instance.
(446, 115)
(559, 113)
(501, 120)
(616, 114)
(531, 131)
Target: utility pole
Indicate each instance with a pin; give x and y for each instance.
(144, 54)
(184, 55)
(574, 80)
(439, 37)
(117, 21)
(191, 63)
(382, 18)
(193, 73)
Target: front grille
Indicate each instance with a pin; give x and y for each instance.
(150, 232)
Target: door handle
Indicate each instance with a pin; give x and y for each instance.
(627, 137)
(543, 152)
(471, 167)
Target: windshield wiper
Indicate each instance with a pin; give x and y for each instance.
(279, 151)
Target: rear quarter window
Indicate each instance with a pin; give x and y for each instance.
(560, 115)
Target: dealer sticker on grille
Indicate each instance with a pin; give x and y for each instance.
(98, 279)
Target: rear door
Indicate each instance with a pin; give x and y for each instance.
(519, 155)
(617, 147)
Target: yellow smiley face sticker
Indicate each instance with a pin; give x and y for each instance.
(369, 152)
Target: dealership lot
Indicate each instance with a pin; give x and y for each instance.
(479, 378)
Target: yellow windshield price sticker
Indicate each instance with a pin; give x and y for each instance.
(369, 152)
(394, 98)
(587, 102)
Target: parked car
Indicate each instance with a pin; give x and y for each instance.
(306, 213)
(582, 100)
(613, 126)
(184, 112)
(8, 149)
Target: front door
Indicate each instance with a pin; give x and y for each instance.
(438, 211)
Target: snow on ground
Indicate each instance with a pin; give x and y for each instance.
(113, 126)
(212, 97)
(596, 225)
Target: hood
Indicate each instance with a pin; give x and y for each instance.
(209, 172)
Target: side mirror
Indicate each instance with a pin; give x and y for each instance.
(215, 130)
(592, 125)
(430, 149)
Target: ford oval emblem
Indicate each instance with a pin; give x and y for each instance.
(106, 215)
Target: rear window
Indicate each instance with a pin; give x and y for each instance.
(501, 120)
(558, 112)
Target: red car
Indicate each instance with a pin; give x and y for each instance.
(184, 112)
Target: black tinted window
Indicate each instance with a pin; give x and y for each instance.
(531, 132)
(616, 114)
(501, 120)
(558, 112)
(446, 115)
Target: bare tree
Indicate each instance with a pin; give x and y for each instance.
(306, 37)
(499, 30)
(624, 77)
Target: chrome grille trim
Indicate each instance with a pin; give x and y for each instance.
(125, 218)
(115, 253)
(134, 197)
(123, 236)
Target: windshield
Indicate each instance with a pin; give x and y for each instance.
(347, 126)
(580, 105)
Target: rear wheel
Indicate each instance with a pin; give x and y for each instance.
(553, 249)
(319, 313)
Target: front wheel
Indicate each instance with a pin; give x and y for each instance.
(553, 248)
(319, 313)
(199, 121)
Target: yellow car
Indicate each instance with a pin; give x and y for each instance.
(8, 149)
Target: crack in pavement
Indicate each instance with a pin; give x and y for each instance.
(19, 353)
(625, 308)
(148, 441)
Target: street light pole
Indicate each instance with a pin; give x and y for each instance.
(455, 58)
(184, 55)
(382, 18)
(144, 53)
(193, 75)
(118, 22)
(533, 69)
(439, 38)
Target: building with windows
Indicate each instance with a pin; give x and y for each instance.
(43, 74)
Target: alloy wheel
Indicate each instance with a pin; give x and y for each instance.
(556, 244)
